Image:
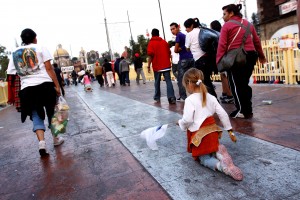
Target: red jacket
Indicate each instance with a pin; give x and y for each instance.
(228, 32)
(158, 49)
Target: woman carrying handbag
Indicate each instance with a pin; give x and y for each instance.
(231, 37)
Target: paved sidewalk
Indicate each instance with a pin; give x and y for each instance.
(271, 171)
(278, 123)
(104, 157)
(90, 164)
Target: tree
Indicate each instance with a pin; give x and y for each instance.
(3, 61)
(255, 22)
(139, 47)
(106, 55)
(116, 55)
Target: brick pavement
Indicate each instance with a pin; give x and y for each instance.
(91, 164)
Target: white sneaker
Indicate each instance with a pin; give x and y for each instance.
(180, 99)
(42, 148)
(58, 140)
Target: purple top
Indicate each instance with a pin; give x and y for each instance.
(183, 54)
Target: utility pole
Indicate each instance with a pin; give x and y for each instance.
(245, 8)
(107, 35)
(58, 61)
(130, 34)
(162, 23)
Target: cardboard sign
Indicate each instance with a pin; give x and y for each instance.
(67, 69)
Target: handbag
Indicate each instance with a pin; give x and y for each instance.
(235, 56)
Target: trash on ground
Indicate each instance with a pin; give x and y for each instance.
(267, 102)
(152, 134)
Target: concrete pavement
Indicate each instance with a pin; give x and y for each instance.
(271, 171)
(93, 161)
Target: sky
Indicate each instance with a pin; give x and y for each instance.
(80, 23)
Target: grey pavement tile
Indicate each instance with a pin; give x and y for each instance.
(270, 171)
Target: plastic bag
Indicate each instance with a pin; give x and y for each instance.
(208, 40)
(60, 118)
(153, 134)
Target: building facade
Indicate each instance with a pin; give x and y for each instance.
(277, 18)
(61, 57)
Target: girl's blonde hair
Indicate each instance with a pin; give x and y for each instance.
(195, 77)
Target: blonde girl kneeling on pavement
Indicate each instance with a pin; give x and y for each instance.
(202, 131)
(39, 85)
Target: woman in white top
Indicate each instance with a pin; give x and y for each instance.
(203, 61)
(39, 85)
(202, 132)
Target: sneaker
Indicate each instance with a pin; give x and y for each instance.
(227, 99)
(42, 148)
(157, 100)
(113, 85)
(224, 96)
(227, 165)
(180, 99)
(58, 141)
(236, 114)
(172, 101)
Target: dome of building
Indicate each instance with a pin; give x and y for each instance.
(60, 52)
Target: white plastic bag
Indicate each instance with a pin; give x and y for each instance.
(152, 134)
(60, 118)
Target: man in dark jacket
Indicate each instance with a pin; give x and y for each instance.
(138, 67)
(124, 71)
(59, 77)
(116, 68)
(74, 77)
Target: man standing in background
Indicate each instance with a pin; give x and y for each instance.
(174, 59)
(98, 74)
(186, 60)
(159, 56)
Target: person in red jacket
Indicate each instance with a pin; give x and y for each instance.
(231, 38)
(159, 56)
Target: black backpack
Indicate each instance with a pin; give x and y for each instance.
(208, 40)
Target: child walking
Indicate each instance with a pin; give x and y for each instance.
(87, 82)
(202, 132)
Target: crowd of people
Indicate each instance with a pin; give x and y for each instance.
(41, 83)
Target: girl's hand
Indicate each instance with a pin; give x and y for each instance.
(232, 135)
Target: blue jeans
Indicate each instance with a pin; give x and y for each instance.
(183, 66)
(38, 123)
(125, 78)
(170, 90)
(209, 161)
